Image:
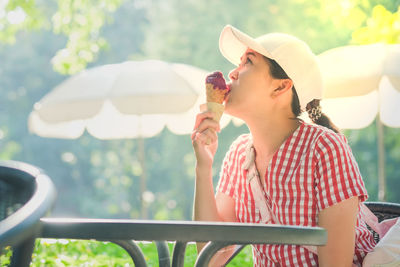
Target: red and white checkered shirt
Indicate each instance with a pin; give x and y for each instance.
(312, 170)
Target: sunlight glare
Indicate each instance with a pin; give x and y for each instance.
(16, 16)
(346, 5)
(3, 4)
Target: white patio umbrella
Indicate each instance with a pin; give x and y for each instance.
(362, 83)
(133, 99)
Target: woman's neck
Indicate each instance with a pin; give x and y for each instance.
(269, 134)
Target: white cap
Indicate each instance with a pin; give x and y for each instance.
(292, 54)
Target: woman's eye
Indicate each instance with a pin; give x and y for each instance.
(246, 61)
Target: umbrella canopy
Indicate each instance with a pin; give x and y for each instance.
(133, 99)
(361, 82)
(126, 100)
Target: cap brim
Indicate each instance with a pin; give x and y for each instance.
(233, 43)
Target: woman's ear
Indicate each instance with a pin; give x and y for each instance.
(283, 85)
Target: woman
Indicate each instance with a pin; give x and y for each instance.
(307, 172)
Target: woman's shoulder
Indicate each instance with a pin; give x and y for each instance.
(327, 143)
(238, 149)
(241, 143)
(322, 134)
(243, 138)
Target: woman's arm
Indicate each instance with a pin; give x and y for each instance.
(340, 222)
(226, 211)
(205, 144)
(207, 205)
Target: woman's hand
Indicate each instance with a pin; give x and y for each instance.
(205, 138)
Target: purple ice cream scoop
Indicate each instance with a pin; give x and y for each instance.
(216, 87)
(217, 79)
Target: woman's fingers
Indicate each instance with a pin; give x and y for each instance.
(209, 136)
(205, 128)
(206, 137)
(205, 120)
(201, 116)
(207, 123)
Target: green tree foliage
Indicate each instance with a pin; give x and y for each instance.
(383, 26)
(78, 20)
(81, 22)
(26, 75)
(19, 15)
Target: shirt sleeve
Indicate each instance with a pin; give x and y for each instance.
(225, 186)
(231, 166)
(337, 176)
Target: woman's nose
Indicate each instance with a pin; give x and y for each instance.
(233, 75)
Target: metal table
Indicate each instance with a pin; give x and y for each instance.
(221, 234)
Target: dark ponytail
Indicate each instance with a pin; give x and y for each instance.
(315, 114)
(313, 108)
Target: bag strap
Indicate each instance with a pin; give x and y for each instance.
(379, 227)
(259, 198)
(255, 186)
(369, 218)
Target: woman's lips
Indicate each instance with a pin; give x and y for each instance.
(227, 93)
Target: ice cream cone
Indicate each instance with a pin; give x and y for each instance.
(214, 95)
(216, 90)
(216, 108)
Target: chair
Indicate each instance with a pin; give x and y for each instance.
(26, 195)
(383, 211)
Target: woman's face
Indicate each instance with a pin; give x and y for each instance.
(251, 86)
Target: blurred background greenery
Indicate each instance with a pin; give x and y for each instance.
(44, 41)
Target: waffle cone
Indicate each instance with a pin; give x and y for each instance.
(216, 108)
(214, 95)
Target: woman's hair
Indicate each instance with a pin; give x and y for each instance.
(313, 108)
